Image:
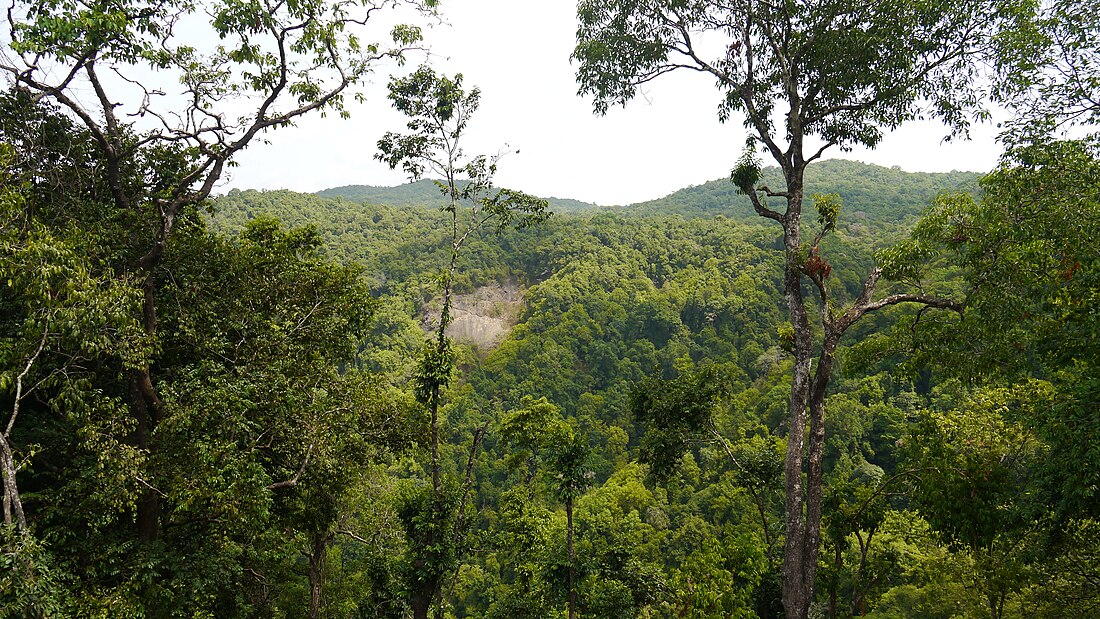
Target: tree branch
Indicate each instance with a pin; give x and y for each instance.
(21, 376)
(864, 304)
(762, 210)
(293, 481)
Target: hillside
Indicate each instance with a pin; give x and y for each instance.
(422, 193)
(870, 193)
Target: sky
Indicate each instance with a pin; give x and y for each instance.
(517, 53)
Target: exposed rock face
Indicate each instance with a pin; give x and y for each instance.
(485, 316)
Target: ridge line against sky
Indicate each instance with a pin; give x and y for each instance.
(517, 53)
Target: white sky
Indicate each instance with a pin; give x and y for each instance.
(517, 52)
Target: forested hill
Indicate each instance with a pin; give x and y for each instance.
(870, 193)
(423, 192)
(878, 401)
(398, 231)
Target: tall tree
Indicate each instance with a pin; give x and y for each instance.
(59, 316)
(807, 77)
(439, 110)
(539, 431)
(258, 426)
(164, 152)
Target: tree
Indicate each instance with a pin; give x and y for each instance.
(840, 73)
(679, 415)
(259, 431)
(973, 485)
(60, 316)
(539, 427)
(439, 110)
(164, 152)
(1050, 73)
(1008, 469)
(263, 327)
(1027, 254)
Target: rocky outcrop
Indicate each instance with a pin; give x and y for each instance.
(485, 316)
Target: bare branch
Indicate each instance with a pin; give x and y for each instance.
(19, 380)
(150, 486)
(821, 151)
(354, 536)
(762, 210)
(467, 482)
(773, 194)
(293, 481)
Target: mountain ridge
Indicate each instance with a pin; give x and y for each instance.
(860, 185)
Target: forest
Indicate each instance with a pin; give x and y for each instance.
(816, 388)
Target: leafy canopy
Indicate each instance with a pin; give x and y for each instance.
(849, 70)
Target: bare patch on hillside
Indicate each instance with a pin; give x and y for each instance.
(485, 316)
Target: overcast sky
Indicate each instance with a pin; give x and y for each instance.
(517, 52)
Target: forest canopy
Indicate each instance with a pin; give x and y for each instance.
(813, 388)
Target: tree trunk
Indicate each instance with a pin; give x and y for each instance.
(316, 574)
(431, 590)
(838, 562)
(142, 407)
(815, 475)
(803, 504)
(859, 586)
(570, 555)
(996, 604)
(420, 606)
(797, 564)
(144, 403)
(421, 601)
(13, 505)
(433, 584)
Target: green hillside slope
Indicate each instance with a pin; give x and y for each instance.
(423, 193)
(870, 193)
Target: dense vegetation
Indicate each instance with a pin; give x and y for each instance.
(623, 302)
(249, 406)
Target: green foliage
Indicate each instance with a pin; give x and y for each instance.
(976, 484)
(538, 424)
(434, 370)
(974, 465)
(828, 209)
(274, 448)
(677, 413)
(716, 580)
(252, 328)
(747, 172)
(785, 333)
(823, 69)
(425, 192)
(623, 44)
(619, 545)
(119, 431)
(1047, 67)
(29, 584)
(616, 300)
(1026, 254)
(875, 198)
(319, 45)
(439, 110)
(429, 525)
(1065, 585)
